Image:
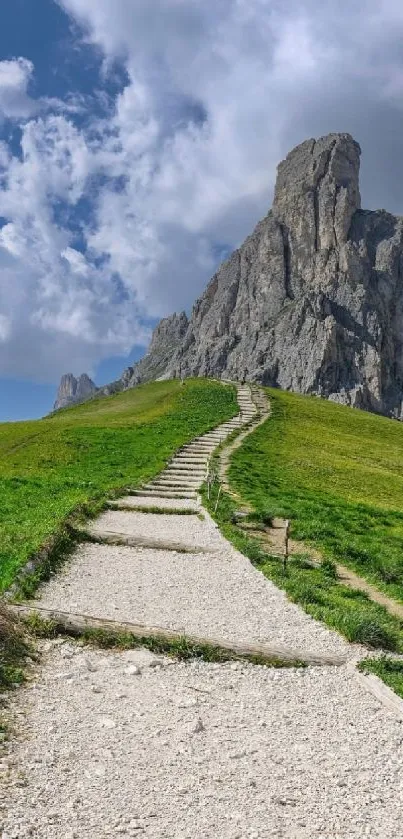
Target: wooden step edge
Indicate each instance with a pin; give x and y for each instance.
(78, 625)
(109, 537)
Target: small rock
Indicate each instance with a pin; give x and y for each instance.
(95, 770)
(198, 727)
(132, 670)
(107, 722)
(284, 801)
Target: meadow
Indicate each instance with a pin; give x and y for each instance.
(75, 458)
(337, 474)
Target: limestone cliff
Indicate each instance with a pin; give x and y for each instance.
(72, 390)
(311, 302)
(166, 339)
(313, 299)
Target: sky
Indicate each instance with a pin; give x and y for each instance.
(139, 141)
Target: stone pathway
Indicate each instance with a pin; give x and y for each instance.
(131, 744)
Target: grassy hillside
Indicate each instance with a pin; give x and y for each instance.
(337, 473)
(49, 467)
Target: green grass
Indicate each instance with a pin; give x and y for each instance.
(337, 473)
(77, 457)
(349, 612)
(14, 648)
(388, 669)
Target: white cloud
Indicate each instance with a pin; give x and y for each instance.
(14, 79)
(216, 94)
(77, 261)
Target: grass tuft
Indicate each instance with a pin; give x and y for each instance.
(14, 648)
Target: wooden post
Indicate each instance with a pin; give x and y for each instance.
(286, 547)
(208, 479)
(218, 498)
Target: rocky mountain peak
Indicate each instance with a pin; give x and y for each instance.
(168, 330)
(312, 301)
(72, 390)
(317, 191)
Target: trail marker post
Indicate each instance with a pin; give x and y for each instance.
(286, 545)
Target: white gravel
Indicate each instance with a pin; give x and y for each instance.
(214, 595)
(192, 532)
(161, 503)
(196, 751)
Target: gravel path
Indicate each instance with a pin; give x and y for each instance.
(196, 751)
(187, 529)
(129, 744)
(213, 595)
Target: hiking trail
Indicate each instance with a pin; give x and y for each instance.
(137, 744)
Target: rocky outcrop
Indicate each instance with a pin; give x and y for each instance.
(311, 302)
(72, 390)
(166, 339)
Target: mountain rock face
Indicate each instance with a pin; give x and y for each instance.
(166, 339)
(311, 302)
(72, 390)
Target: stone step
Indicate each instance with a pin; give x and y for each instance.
(108, 537)
(185, 479)
(140, 504)
(210, 438)
(198, 449)
(161, 505)
(183, 470)
(201, 449)
(189, 465)
(177, 483)
(182, 475)
(192, 459)
(203, 444)
(155, 493)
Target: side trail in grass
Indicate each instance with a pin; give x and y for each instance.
(239, 739)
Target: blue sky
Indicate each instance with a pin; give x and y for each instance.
(138, 145)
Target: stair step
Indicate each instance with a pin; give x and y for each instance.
(183, 474)
(177, 483)
(155, 493)
(194, 459)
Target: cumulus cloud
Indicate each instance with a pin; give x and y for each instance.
(108, 221)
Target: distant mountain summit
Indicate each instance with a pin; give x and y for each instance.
(311, 302)
(72, 390)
